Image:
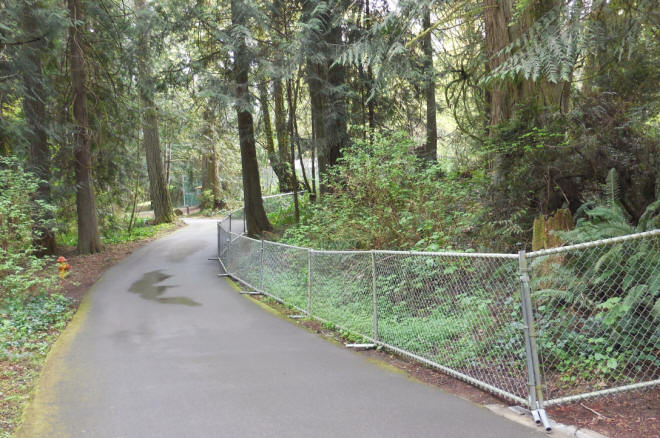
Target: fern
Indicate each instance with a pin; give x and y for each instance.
(554, 44)
(612, 189)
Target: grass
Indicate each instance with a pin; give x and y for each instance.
(110, 236)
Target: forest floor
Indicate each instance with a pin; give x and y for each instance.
(627, 415)
(19, 375)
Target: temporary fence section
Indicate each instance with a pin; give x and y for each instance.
(597, 312)
(538, 328)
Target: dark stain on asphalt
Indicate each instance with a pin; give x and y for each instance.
(147, 289)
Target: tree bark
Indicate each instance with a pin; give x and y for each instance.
(371, 104)
(5, 150)
(292, 156)
(168, 163)
(282, 137)
(158, 190)
(89, 240)
(210, 177)
(505, 95)
(542, 92)
(497, 16)
(35, 116)
(335, 110)
(255, 215)
(315, 79)
(502, 95)
(431, 147)
(277, 157)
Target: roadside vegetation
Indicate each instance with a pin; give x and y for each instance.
(34, 307)
(409, 125)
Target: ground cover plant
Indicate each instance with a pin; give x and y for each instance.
(31, 315)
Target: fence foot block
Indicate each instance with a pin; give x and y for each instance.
(361, 346)
(540, 417)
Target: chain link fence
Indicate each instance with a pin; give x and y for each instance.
(597, 311)
(539, 328)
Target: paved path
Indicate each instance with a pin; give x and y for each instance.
(164, 348)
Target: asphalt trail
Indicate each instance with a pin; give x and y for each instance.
(162, 347)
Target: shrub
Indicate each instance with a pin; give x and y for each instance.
(21, 271)
(382, 196)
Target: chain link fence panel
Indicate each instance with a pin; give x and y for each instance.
(341, 290)
(461, 312)
(597, 312)
(246, 260)
(285, 273)
(592, 324)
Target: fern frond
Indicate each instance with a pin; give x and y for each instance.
(612, 191)
(650, 219)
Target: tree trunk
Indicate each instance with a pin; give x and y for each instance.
(210, 178)
(335, 108)
(371, 104)
(315, 79)
(292, 156)
(89, 240)
(168, 163)
(35, 116)
(265, 113)
(5, 150)
(276, 158)
(431, 147)
(255, 215)
(158, 190)
(282, 138)
(497, 16)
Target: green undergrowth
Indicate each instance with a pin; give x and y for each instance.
(597, 310)
(28, 327)
(382, 196)
(110, 235)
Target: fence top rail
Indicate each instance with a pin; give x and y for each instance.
(243, 236)
(270, 242)
(279, 195)
(481, 255)
(591, 244)
(330, 251)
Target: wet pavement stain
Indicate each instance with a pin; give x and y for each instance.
(147, 289)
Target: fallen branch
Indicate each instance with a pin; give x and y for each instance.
(595, 412)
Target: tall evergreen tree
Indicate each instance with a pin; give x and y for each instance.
(89, 240)
(255, 215)
(159, 193)
(34, 107)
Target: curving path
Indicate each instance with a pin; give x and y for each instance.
(162, 347)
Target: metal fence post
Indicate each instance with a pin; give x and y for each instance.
(309, 282)
(261, 265)
(375, 297)
(531, 350)
(219, 239)
(229, 246)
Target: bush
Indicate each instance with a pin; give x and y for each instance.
(21, 271)
(382, 196)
